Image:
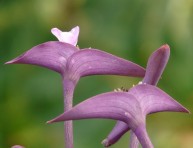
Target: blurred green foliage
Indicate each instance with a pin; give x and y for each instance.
(131, 29)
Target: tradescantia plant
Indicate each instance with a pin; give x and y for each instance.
(72, 63)
(130, 108)
(155, 66)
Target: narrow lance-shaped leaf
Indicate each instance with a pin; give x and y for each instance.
(95, 62)
(52, 55)
(156, 65)
(103, 106)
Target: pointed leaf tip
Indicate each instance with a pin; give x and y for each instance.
(11, 62)
(49, 122)
(165, 46)
(105, 143)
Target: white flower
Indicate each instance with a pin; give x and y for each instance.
(70, 37)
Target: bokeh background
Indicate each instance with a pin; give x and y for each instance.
(132, 29)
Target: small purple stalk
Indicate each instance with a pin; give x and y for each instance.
(120, 129)
(68, 90)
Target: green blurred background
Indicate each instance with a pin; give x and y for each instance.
(131, 29)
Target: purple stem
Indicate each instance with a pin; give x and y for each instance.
(68, 89)
(134, 142)
(116, 135)
(143, 137)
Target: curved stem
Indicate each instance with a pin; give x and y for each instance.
(143, 137)
(134, 142)
(68, 90)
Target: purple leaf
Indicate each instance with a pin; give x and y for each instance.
(156, 64)
(95, 62)
(113, 105)
(52, 55)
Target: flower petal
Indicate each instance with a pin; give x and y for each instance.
(153, 99)
(70, 37)
(156, 65)
(52, 55)
(95, 62)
